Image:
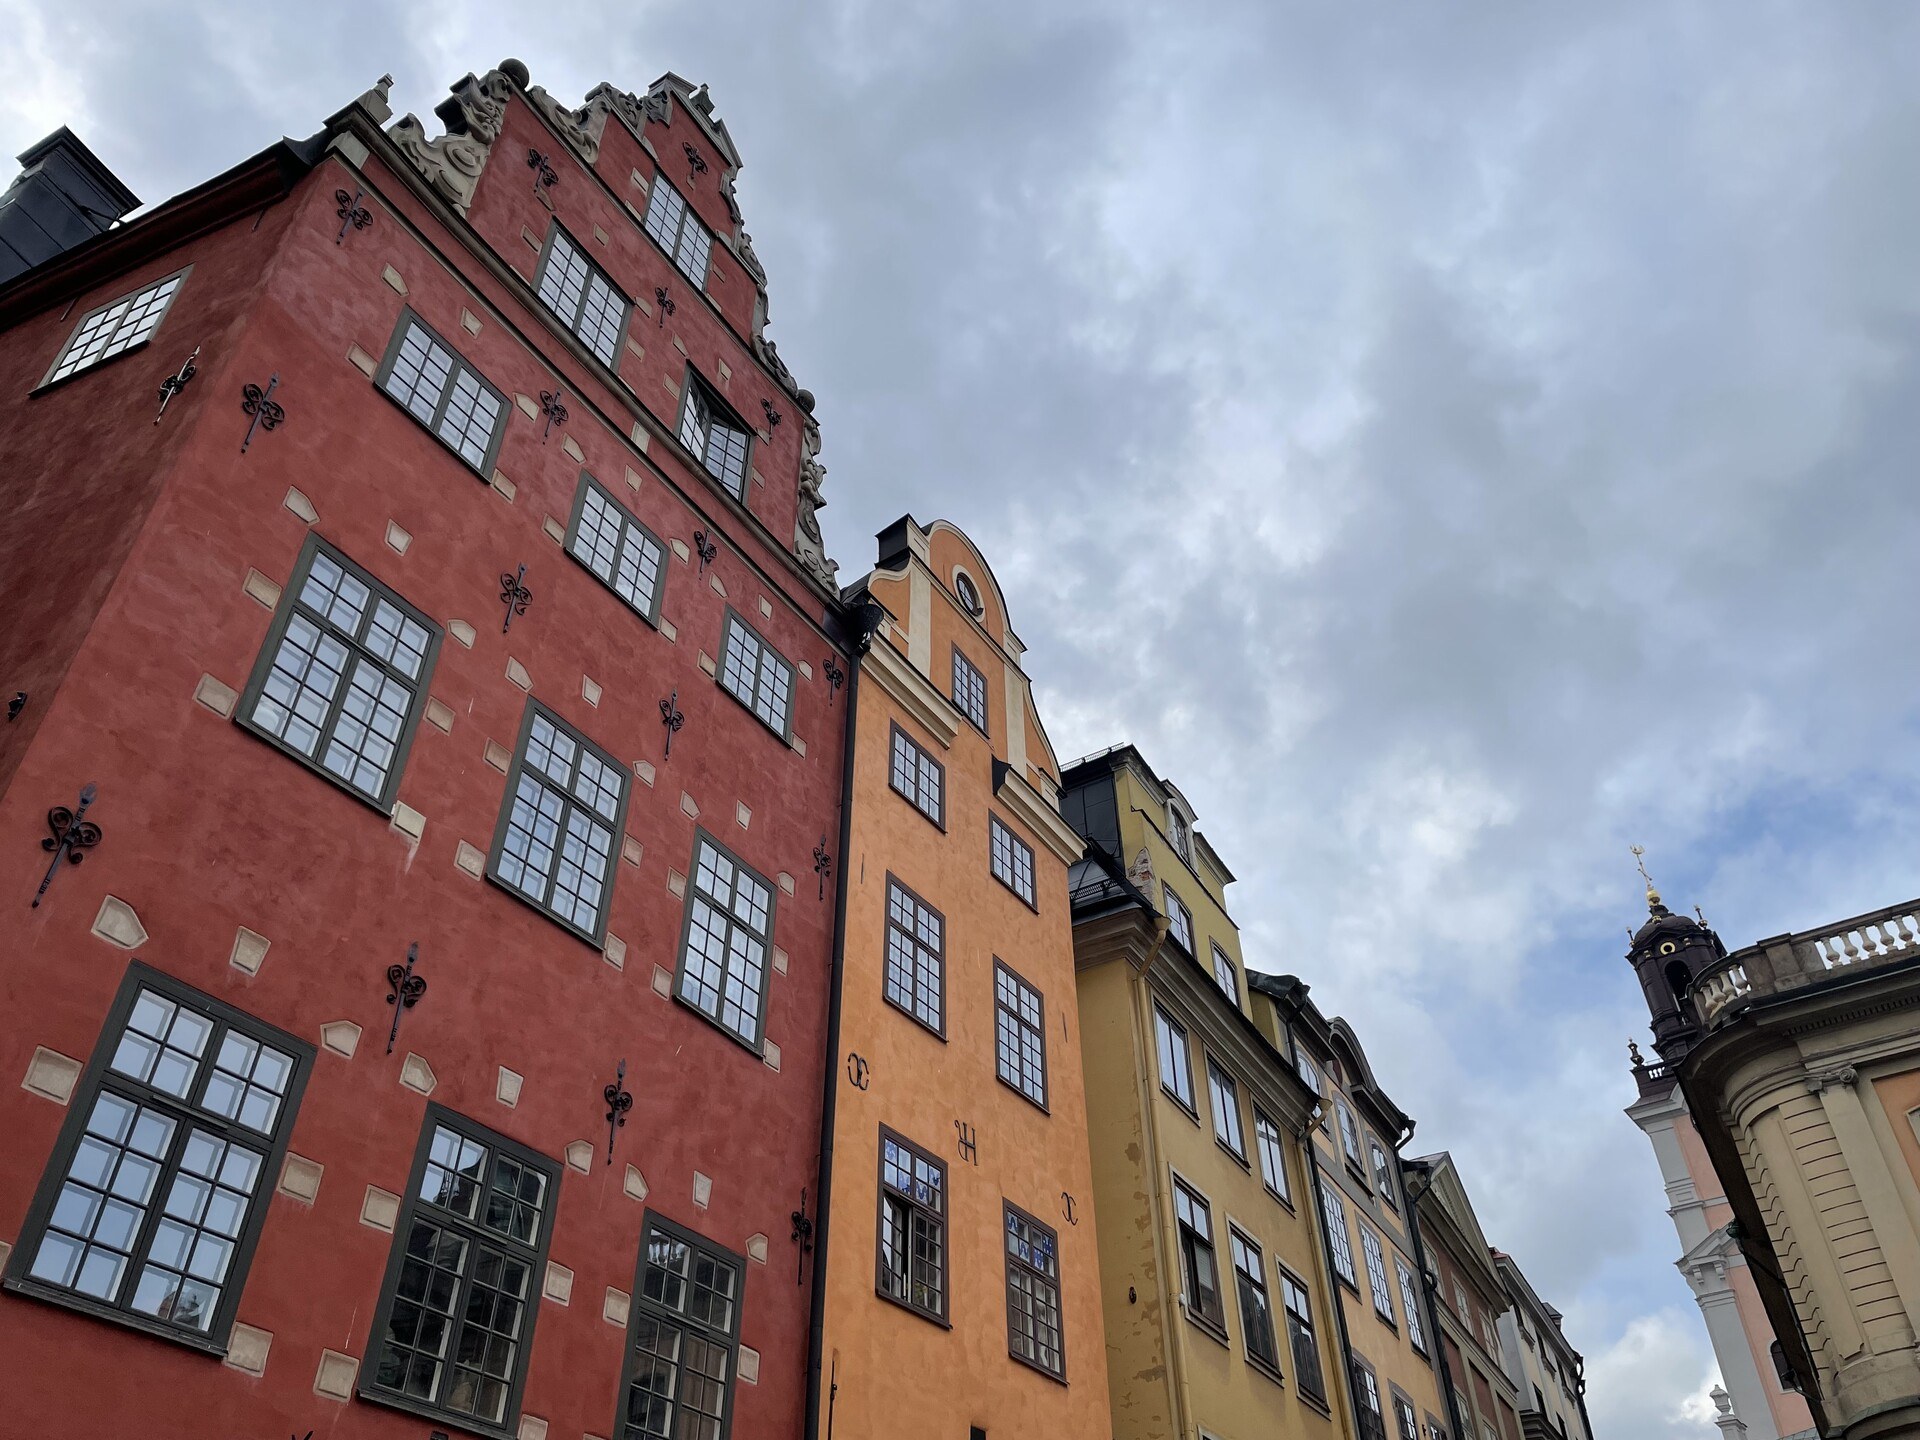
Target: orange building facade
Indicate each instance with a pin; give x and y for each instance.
(960, 1275)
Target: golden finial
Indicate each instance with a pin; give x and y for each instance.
(1653, 895)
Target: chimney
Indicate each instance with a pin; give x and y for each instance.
(62, 197)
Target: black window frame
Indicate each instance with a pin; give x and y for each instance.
(491, 457)
(1410, 1303)
(1375, 1257)
(131, 299)
(1370, 1422)
(557, 231)
(997, 829)
(1339, 1238)
(1179, 919)
(96, 1077)
(1040, 1280)
(763, 648)
(1180, 834)
(1162, 1019)
(597, 936)
(1404, 1413)
(687, 215)
(1382, 1174)
(1239, 1241)
(641, 1306)
(757, 1043)
(1210, 1318)
(1024, 1031)
(1275, 1165)
(476, 1232)
(918, 947)
(263, 665)
(1223, 1104)
(964, 703)
(942, 1314)
(1303, 1336)
(630, 525)
(719, 413)
(1350, 1148)
(1231, 985)
(923, 761)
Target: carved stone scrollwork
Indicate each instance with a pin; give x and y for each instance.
(750, 262)
(770, 357)
(1820, 1080)
(581, 129)
(808, 543)
(473, 115)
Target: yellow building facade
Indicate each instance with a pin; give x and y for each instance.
(961, 1286)
(1387, 1314)
(1219, 1318)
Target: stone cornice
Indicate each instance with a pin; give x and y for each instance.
(1130, 934)
(1032, 810)
(912, 691)
(1227, 1032)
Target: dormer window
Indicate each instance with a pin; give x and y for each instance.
(1180, 833)
(712, 432)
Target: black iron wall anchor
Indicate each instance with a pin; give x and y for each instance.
(665, 303)
(406, 989)
(261, 405)
(802, 1237)
(696, 165)
(1066, 1208)
(553, 404)
(822, 864)
(858, 1075)
(176, 382)
(545, 177)
(672, 718)
(836, 677)
(353, 215)
(619, 1102)
(773, 416)
(72, 833)
(704, 547)
(969, 1146)
(515, 595)
(16, 705)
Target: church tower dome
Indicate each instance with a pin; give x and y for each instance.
(1668, 952)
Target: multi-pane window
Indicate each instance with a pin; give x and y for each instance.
(1366, 1403)
(1310, 1077)
(1011, 859)
(1382, 1172)
(457, 1311)
(1301, 1338)
(1337, 1237)
(116, 327)
(970, 690)
(913, 1227)
(443, 392)
(559, 830)
(1410, 1306)
(1225, 976)
(339, 682)
(1223, 1096)
(1033, 1294)
(1180, 833)
(583, 298)
(1256, 1310)
(916, 775)
(1403, 1414)
(1460, 1303)
(1198, 1266)
(678, 231)
(916, 957)
(723, 959)
(1349, 1132)
(157, 1189)
(627, 557)
(1273, 1160)
(1179, 919)
(757, 675)
(1377, 1273)
(683, 1333)
(1020, 1035)
(1176, 1062)
(712, 432)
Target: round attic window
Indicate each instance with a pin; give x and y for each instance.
(968, 592)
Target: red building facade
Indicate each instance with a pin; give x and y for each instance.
(274, 628)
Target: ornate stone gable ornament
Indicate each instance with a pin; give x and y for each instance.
(473, 115)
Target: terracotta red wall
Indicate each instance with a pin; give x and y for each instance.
(208, 829)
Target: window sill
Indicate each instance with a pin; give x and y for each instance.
(31, 1289)
(651, 619)
(1233, 1154)
(940, 825)
(1206, 1327)
(784, 736)
(1313, 1401)
(95, 368)
(1015, 893)
(752, 1047)
(482, 472)
(898, 1008)
(1279, 1199)
(382, 808)
(896, 1301)
(1185, 1109)
(1039, 1105)
(1038, 1369)
(453, 1419)
(597, 942)
(1269, 1372)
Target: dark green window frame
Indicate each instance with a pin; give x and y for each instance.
(635, 544)
(544, 787)
(475, 1233)
(293, 606)
(188, 1117)
(648, 1309)
(557, 235)
(458, 365)
(767, 662)
(722, 921)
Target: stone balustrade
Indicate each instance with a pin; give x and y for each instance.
(1786, 962)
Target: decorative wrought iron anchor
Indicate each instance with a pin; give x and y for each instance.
(260, 404)
(515, 595)
(406, 987)
(176, 382)
(72, 833)
(619, 1102)
(672, 718)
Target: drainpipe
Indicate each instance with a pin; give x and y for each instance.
(1333, 1278)
(1427, 1284)
(816, 1330)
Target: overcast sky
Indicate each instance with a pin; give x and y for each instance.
(1453, 442)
